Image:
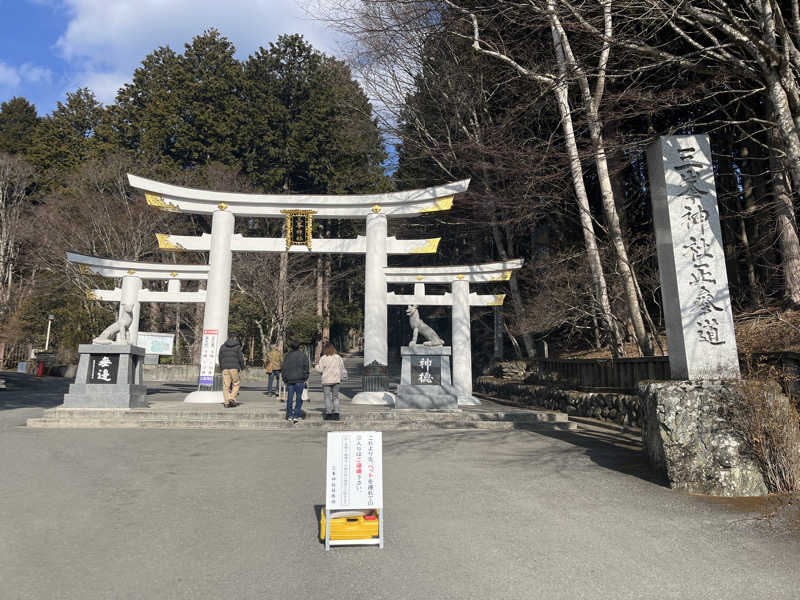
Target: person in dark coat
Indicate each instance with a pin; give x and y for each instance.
(295, 374)
(231, 361)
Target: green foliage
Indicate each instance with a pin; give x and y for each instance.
(184, 107)
(18, 121)
(66, 138)
(309, 124)
(288, 119)
(76, 319)
(303, 326)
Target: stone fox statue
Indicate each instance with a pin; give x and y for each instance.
(418, 326)
(121, 325)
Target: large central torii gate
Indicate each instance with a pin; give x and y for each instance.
(298, 211)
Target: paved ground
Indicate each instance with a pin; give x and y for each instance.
(216, 514)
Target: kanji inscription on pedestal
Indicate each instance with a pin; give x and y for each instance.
(694, 283)
(426, 370)
(103, 368)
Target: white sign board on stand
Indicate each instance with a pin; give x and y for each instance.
(354, 479)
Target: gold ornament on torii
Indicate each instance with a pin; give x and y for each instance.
(298, 227)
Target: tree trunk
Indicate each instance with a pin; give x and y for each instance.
(787, 230)
(514, 341)
(786, 129)
(155, 315)
(590, 240)
(320, 273)
(283, 271)
(609, 208)
(177, 349)
(263, 339)
(567, 63)
(516, 299)
(326, 300)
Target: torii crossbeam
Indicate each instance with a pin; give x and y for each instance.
(133, 273)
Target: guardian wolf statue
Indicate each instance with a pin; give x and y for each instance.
(121, 326)
(419, 326)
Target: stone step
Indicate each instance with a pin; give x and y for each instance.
(273, 420)
(274, 413)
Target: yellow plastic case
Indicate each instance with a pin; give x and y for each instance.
(350, 528)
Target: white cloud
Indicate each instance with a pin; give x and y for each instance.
(104, 85)
(33, 74)
(9, 76)
(12, 77)
(105, 40)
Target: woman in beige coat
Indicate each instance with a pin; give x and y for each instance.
(333, 372)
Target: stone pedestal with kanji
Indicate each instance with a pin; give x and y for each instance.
(108, 376)
(425, 379)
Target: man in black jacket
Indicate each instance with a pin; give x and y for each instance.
(294, 373)
(231, 361)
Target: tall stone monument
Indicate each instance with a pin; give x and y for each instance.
(686, 435)
(694, 283)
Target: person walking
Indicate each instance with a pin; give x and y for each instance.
(295, 374)
(333, 372)
(231, 361)
(273, 366)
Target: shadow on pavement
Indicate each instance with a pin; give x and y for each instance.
(28, 391)
(161, 387)
(611, 451)
(607, 449)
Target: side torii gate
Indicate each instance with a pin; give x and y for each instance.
(460, 298)
(298, 212)
(133, 273)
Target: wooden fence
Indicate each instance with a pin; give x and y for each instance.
(600, 375)
(11, 354)
(622, 375)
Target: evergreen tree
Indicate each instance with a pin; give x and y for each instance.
(66, 138)
(186, 108)
(310, 126)
(18, 121)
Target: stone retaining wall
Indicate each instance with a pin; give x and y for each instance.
(192, 373)
(623, 409)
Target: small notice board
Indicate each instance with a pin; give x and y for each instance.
(156, 343)
(354, 479)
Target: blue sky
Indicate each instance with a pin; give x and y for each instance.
(51, 47)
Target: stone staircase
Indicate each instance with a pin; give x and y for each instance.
(262, 417)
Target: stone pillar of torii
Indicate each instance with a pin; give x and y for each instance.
(298, 212)
(132, 274)
(460, 299)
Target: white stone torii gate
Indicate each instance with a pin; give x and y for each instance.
(133, 273)
(459, 277)
(376, 245)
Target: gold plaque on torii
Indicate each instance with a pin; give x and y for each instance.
(298, 227)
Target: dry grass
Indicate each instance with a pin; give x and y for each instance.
(765, 330)
(770, 425)
(768, 331)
